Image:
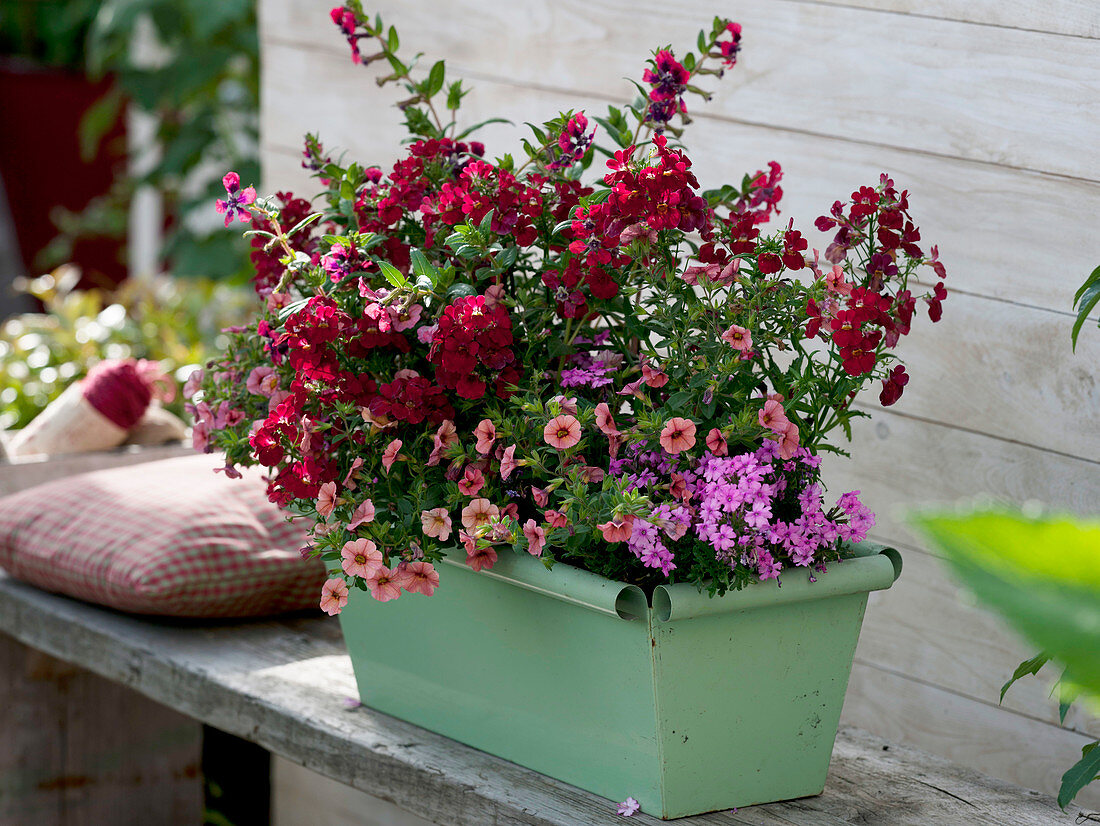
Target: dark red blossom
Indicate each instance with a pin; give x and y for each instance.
(471, 342)
(935, 303)
(572, 143)
(893, 386)
(412, 399)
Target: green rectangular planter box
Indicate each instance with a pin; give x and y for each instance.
(690, 705)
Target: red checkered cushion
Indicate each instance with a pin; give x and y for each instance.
(168, 537)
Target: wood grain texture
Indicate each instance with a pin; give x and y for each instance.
(1011, 216)
(1016, 98)
(929, 628)
(283, 685)
(1078, 18)
(907, 711)
(26, 473)
(79, 750)
(902, 463)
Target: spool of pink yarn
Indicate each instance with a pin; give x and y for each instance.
(98, 412)
(119, 391)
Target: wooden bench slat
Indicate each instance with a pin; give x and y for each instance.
(284, 684)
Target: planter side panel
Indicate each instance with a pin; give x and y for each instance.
(558, 688)
(749, 702)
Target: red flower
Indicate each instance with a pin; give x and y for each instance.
(893, 386)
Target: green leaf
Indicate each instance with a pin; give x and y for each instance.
(477, 126)
(392, 274)
(1063, 709)
(423, 268)
(435, 79)
(461, 289)
(393, 42)
(1080, 774)
(455, 94)
(1086, 298)
(1031, 666)
(1041, 574)
(97, 122)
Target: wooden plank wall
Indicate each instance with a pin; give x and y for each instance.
(988, 113)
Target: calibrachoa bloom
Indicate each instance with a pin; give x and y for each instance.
(629, 807)
(602, 362)
(334, 596)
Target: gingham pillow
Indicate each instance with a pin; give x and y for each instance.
(169, 537)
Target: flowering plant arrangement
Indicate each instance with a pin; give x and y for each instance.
(621, 372)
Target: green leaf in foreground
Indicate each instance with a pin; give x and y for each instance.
(1080, 774)
(1042, 575)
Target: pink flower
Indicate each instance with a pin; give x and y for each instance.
(678, 435)
(479, 558)
(618, 529)
(632, 389)
(419, 577)
(478, 513)
(363, 513)
(835, 283)
(262, 381)
(605, 421)
(592, 474)
(654, 378)
(536, 537)
(508, 462)
(738, 338)
(629, 806)
(562, 432)
(540, 497)
(334, 596)
(326, 499)
(407, 319)
(382, 586)
(679, 487)
(486, 434)
(349, 481)
(389, 455)
(437, 523)
(788, 443)
(472, 481)
(567, 405)
(360, 557)
(557, 519)
(716, 443)
(444, 437)
(773, 417)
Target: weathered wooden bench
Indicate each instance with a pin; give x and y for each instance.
(285, 685)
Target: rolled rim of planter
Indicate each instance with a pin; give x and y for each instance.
(868, 567)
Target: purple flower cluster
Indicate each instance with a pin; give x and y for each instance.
(754, 509)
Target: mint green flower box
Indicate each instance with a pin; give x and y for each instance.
(690, 705)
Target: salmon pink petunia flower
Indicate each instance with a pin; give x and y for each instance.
(678, 435)
(773, 417)
(788, 442)
(536, 537)
(605, 421)
(334, 596)
(479, 558)
(349, 480)
(653, 378)
(478, 513)
(716, 443)
(540, 496)
(437, 523)
(562, 432)
(363, 514)
(557, 519)
(382, 585)
(472, 481)
(486, 434)
(389, 455)
(508, 462)
(419, 577)
(567, 405)
(326, 499)
(445, 436)
(360, 557)
(618, 529)
(738, 338)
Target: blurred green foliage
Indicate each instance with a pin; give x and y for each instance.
(177, 323)
(1043, 576)
(191, 64)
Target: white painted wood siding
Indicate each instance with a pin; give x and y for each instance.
(988, 113)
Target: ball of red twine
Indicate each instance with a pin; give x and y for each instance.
(121, 390)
